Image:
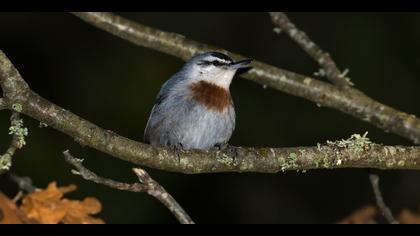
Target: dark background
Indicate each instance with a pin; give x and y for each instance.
(113, 83)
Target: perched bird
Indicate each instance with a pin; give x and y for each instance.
(194, 108)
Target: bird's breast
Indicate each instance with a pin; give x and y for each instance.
(211, 96)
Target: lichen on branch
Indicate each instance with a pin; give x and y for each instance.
(18, 132)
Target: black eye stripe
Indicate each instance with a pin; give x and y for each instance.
(215, 63)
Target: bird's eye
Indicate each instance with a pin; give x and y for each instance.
(216, 63)
(204, 63)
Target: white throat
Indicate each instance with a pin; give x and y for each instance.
(223, 80)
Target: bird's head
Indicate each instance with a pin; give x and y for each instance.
(215, 68)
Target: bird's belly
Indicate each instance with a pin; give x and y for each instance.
(201, 129)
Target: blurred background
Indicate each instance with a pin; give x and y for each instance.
(113, 83)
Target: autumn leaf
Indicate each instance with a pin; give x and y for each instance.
(368, 214)
(10, 213)
(49, 207)
(408, 217)
(364, 215)
(78, 212)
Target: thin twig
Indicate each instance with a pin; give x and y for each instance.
(24, 182)
(332, 72)
(350, 101)
(386, 212)
(147, 184)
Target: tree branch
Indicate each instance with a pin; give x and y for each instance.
(147, 184)
(386, 212)
(356, 152)
(280, 20)
(350, 101)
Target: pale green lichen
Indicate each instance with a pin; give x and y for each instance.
(291, 162)
(356, 142)
(17, 107)
(326, 162)
(317, 162)
(293, 32)
(401, 163)
(5, 161)
(75, 172)
(318, 145)
(355, 145)
(19, 131)
(283, 78)
(307, 81)
(277, 30)
(349, 81)
(391, 162)
(42, 125)
(225, 159)
(320, 73)
(293, 157)
(345, 77)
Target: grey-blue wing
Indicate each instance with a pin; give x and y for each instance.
(158, 110)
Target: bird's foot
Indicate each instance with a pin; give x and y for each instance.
(227, 148)
(178, 149)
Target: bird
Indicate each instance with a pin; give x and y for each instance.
(194, 108)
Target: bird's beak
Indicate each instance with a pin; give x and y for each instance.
(240, 64)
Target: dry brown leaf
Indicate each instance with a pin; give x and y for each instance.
(52, 193)
(10, 213)
(79, 212)
(49, 207)
(408, 217)
(364, 215)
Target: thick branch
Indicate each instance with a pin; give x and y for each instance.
(324, 60)
(268, 160)
(350, 101)
(147, 184)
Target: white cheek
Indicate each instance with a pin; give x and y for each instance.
(225, 80)
(222, 79)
